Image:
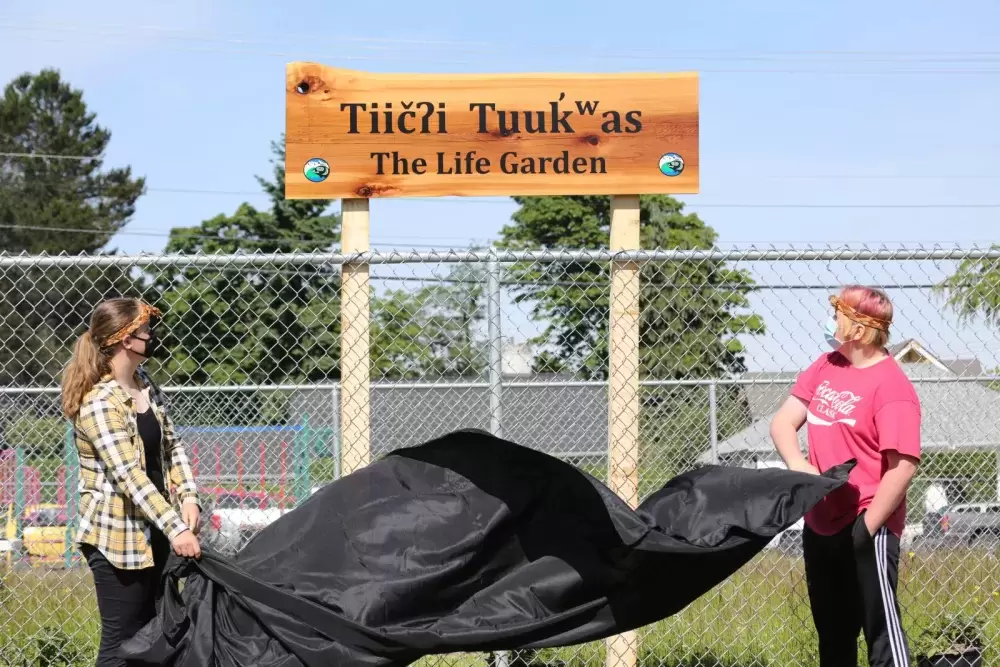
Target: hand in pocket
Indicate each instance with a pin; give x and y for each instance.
(861, 537)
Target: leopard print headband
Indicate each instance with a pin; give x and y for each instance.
(855, 316)
(146, 312)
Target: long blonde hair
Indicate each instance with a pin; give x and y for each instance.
(90, 363)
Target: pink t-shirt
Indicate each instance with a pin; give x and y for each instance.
(857, 413)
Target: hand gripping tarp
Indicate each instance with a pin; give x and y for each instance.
(467, 543)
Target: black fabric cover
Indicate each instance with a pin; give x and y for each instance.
(467, 543)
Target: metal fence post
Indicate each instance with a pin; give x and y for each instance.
(19, 491)
(303, 451)
(337, 449)
(495, 371)
(713, 421)
(70, 461)
(495, 344)
(996, 472)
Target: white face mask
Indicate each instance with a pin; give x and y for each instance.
(830, 333)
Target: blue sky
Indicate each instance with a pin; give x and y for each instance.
(193, 93)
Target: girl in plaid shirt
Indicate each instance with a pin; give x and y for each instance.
(129, 456)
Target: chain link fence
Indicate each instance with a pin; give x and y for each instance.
(516, 343)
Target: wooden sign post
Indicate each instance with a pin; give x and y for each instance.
(355, 347)
(623, 384)
(356, 135)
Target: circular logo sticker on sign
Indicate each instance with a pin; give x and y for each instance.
(671, 164)
(316, 170)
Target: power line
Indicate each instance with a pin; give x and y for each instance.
(506, 199)
(461, 62)
(182, 34)
(252, 193)
(52, 156)
(769, 177)
(589, 280)
(320, 243)
(856, 206)
(864, 177)
(492, 48)
(727, 205)
(749, 246)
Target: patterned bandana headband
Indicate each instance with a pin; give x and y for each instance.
(145, 313)
(855, 316)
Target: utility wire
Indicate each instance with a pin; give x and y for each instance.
(856, 206)
(769, 177)
(320, 243)
(687, 204)
(492, 48)
(506, 199)
(52, 156)
(462, 62)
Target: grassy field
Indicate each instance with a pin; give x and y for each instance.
(758, 618)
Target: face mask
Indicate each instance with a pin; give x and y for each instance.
(830, 333)
(150, 346)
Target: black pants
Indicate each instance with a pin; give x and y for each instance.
(126, 599)
(852, 579)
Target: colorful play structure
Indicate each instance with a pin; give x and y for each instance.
(273, 463)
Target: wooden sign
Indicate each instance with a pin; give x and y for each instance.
(354, 134)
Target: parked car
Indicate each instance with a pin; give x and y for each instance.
(8, 548)
(788, 541)
(43, 534)
(972, 524)
(10, 545)
(237, 516)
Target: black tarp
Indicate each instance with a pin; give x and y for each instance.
(467, 543)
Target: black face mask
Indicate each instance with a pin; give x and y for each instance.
(150, 346)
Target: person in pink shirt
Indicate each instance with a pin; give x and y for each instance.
(859, 405)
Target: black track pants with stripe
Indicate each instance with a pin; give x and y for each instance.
(852, 579)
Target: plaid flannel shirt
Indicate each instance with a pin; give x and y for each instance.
(118, 502)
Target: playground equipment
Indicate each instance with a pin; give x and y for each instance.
(277, 460)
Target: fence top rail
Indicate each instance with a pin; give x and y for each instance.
(508, 384)
(500, 256)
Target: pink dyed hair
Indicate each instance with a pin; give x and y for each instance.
(872, 302)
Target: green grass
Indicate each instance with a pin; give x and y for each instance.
(759, 617)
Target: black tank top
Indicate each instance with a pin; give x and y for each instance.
(149, 431)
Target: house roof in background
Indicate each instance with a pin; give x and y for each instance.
(769, 389)
(956, 415)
